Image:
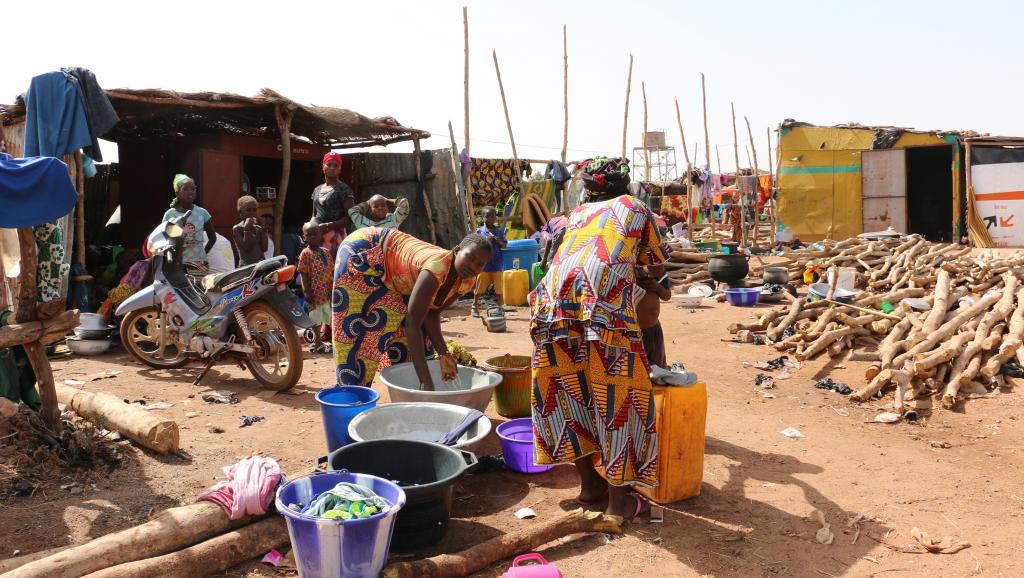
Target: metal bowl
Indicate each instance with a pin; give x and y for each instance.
(92, 334)
(87, 346)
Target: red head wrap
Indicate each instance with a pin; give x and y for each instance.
(332, 156)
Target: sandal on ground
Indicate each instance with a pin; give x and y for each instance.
(640, 503)
(603, 497)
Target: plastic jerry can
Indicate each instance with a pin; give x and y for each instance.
(539, 570)
(680, 413)
(515, 286)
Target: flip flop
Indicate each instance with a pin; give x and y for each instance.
(597, 500)
(639, 506)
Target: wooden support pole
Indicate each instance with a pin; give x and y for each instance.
(771, 182)
(643, 143)
(757, 176)
(689, 181)
(565, 95)
(465, 102)
(421, 185)
(682, 133)
(80, 210)
(284, 127)
(625, 116)
(707, 139)
(26, 313)
(718, 159)
(461, 185)
(736, 149)
(508, 121)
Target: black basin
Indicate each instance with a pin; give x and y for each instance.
(426, 471)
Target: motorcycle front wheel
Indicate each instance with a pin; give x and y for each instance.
(142, 333)
(277, 360)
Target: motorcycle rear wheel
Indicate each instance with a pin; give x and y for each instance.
(277, 361)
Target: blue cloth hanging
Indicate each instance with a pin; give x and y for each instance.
(55, 120)
(36, 190)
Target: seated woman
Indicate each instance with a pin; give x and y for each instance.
(389, 291)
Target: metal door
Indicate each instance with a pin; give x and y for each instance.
(884, 189)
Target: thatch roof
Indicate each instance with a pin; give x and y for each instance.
(156, 113)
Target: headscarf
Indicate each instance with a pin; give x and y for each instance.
(606, 176)
(332, 156)
(179, 179)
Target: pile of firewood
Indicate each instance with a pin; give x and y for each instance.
(973, 323)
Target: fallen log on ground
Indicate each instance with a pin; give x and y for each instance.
(133, 422)
(209, 557)
(505, 546)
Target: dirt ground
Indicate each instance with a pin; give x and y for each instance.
(753, 517)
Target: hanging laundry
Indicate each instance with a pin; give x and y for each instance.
(52, 262)
(764, 189)
(746, 185)
(55, 121)
(547, 193)
(493, 181)
(38, 186)
(99, 113)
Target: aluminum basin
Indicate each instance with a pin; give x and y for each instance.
(426, 422)
(472, 389)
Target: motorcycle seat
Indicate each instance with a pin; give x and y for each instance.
(225, 281)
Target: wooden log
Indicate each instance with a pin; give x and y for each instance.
(283, 114)
(827, 339)
(867, 392)
(790, 317)
(505, 546)
(19, 561)
(939, 305)
(169, 531)
(25, 313)
(864, 356)
(864, 310)
(948, 328)
(135, 423)
(209, 557)
(951, 350)
(1007, 350)
(46, 332)
(893, 297)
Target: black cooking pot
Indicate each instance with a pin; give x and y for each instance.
(426, 471)
(728, 268)
(775, 276)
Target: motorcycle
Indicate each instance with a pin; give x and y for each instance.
(247, 314)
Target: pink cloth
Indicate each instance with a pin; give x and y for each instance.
(248, 489)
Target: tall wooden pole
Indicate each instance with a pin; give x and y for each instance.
(625, 116)
(465, 101)
(707, 140)
(689, 181)
(460, 185)
(508, 122)
(749, 163)
(284, 127)
(736, 149)
(771, 183)
(565, 94)
(718, 159)
(757, 178)
(643, 143)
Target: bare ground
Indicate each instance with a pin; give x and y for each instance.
(753, 517)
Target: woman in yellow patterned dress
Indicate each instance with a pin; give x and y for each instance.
(591, 388)
(389, 290)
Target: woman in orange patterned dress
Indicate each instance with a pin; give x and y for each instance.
(389, 291)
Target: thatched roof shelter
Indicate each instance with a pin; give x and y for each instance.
(155, 113)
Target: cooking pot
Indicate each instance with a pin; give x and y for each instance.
(728, 268)
(775, 276)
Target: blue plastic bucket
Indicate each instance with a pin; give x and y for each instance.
(338, 405)
(326, 548)
(520, 254)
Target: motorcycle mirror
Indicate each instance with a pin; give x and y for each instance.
(174, 231)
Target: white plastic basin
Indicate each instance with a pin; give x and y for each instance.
(472, 389)
(421, 421)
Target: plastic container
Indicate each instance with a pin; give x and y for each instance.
(847, 278)
(542, 569)
(473, 389)
(516, 287)
(536, 274)
(520, 254)
(326, 548)
(512, 397)
(422, 421)
(517, 445)
(820, 290)
(743, 297)
(707, 246)
(426, 472)
(338, 405)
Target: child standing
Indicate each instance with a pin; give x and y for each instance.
(491, 274)
(251, 240)
(199, 232)
(317, 277)
(654, 282)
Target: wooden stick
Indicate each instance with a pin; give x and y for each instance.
(465, 88)
(757, 176)
(565, 93)
(643, 143)
(682, 134)
(689, 181)
(736, 149)
(718, 159)
(461, 185)
(505, 546)
(210, 557)
(80, 210)
(707, 140)
(46, 331)
(625, 117)
(12, 563)
(141, 426)
(508, 122)
(771, 180)
(26, 313)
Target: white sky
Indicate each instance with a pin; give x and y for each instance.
(926, 65)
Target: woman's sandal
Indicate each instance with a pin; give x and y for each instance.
(640, 503)
(585, 503)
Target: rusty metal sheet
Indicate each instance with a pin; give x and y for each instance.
(884, 189)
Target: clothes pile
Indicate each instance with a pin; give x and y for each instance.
(346, 501)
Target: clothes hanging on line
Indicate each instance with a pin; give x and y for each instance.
(55, 121)
(35, 189)
(99, 113)
(493, 181)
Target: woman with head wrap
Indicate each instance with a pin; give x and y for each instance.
(389, 291)
(199, 233)
(331, 203)
(591, 388)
